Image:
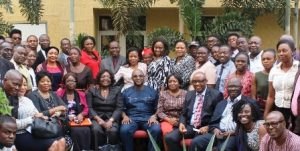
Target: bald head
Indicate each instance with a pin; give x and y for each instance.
(234, 88)
(12, 82)
(138, 77)
(276, 114)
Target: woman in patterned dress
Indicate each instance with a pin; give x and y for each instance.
(184, 64)
(249, 130)
(159, 69)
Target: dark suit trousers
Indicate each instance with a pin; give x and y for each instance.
(174, 138)
(200, 143)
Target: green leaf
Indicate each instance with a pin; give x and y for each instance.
(170, 35)
(225, 143)
(155, 146)
(183, 144)
(211, 143)
(32, 10)
(5, 108)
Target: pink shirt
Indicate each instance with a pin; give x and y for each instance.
(292, 143)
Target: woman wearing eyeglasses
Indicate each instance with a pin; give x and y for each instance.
(77, 109)
(249, 129)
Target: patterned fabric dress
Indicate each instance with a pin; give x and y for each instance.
(183, 68)
(158, 71)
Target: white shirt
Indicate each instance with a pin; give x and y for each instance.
(283, 83)
(196, 104)
(256, 64)
(227, 123)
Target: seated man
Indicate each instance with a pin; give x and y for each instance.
(140, 102)
(278, 138)
(8, 129)
(222, 123)
(198, 109)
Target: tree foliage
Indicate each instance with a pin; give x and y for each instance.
(253, 9)
(32, 10)
(170, 35)
(5, 27)
(126, 12)
(191, 12)
(229, 22)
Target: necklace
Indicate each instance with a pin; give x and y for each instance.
(251, 129)
(44, 95)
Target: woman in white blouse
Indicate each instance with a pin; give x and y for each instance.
(26, 113)
(133, 63)
(281, 79)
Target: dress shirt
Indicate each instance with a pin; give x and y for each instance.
(283, 83)
(227, 123)
(256, 64)
(229, 68)
(198, 95)
(24, 71)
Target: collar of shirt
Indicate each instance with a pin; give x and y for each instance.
(236, 99)
(295, 64)
(16, 65)
(227, 64)
(258, 57)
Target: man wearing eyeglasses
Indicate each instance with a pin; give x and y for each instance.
(278, 138)
(222, 124)
(140, 102)
(16, 36)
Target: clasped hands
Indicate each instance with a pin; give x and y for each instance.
(201, 130)
(151, 120)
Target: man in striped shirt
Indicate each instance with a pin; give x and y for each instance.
(278, 138)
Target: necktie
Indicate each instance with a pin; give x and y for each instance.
(197, 116)
(219, 78)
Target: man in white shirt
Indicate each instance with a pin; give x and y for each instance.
(255, 54)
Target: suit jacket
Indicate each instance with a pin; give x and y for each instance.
(217, 115)
(107, 63)
(105, 108)
(211, 99)
(5, 65)
(63, 59)
(40, 103)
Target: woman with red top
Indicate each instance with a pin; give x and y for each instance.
(77, 110)
(89, 55)
(242, 72)
(53, 67)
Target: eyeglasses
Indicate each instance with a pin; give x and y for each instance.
(273, 124)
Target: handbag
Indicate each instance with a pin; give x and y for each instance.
(43, 128)
(109, 147)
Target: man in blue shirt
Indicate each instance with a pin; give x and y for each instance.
(140, 102)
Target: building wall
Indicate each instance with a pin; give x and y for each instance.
(57, 17)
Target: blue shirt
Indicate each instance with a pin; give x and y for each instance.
(229, 68)
(140, 104)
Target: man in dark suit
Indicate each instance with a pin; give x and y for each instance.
(115, 60)
(222, 123)
(5, 65)
(198, 108)
(44, 42)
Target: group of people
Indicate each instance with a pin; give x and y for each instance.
(233, 90)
